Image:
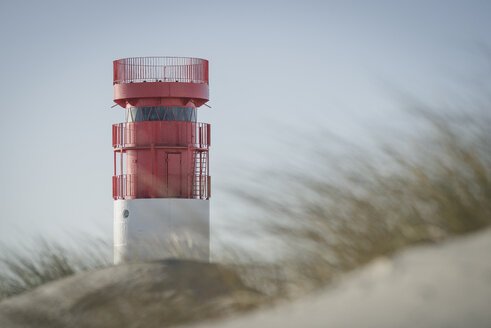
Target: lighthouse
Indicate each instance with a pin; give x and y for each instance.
(161, 182)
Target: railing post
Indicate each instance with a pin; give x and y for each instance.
(122, 133)
(114, 135)
(115, 72)
(200, 133)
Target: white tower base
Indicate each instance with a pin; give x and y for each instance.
(157, 228)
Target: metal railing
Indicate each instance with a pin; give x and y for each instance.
(201, 181)
(160, 69)
(187, 134)
(201, 187)
(125, 186)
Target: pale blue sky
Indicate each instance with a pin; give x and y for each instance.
(277, 68)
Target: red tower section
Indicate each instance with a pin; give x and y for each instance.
(161, 151)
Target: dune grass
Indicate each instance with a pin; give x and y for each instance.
(26, 269)
(332, 218)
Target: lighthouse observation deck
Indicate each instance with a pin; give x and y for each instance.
(160, 69)
(162, 148)
(160, 81)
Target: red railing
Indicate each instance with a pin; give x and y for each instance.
(125, 186)
(201, 187)
(162, 133)
(160, 69)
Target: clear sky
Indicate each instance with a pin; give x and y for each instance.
(278, 69)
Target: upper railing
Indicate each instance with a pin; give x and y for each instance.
(161, 133)
(160, 69)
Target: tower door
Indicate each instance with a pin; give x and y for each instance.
(174, 175)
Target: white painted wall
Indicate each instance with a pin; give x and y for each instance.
(158, 228)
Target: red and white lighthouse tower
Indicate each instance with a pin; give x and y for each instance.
(161, 182)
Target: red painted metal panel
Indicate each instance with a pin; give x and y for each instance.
(174, 179)
(115, 187)
(160, 94)
(115, 133)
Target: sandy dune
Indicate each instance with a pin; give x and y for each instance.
(444, 285)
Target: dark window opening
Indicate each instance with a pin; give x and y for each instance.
(161, 113)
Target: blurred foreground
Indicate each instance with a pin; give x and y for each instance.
(153, 294)
(448, 285)
(320, 226)
(428, 286)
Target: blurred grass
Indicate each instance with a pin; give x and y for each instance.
(25, 269)
(334, 216)
(329, 218)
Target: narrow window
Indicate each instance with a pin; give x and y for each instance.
(169, 115)
(161, 113)
(153, 114)
(146, 113)
(138, 116)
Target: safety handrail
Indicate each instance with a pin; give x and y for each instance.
(125, 186)
(194, 134)
(160, 69)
